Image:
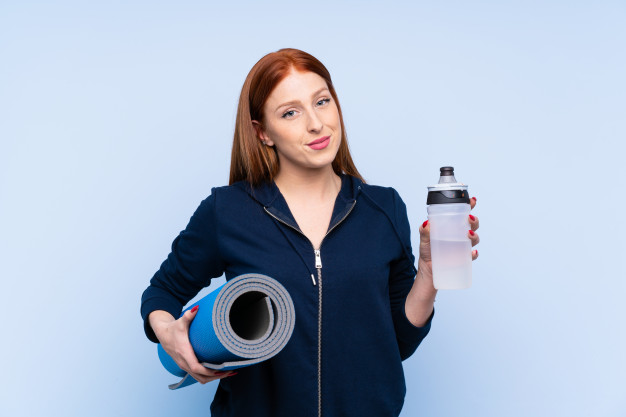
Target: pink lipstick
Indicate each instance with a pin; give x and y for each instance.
(320, 143)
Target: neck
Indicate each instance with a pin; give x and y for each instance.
(315, 184)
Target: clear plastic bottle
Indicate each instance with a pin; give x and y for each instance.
(450, 248)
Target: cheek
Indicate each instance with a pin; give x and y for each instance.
(336, 124)
(285, 134)
(334, 116)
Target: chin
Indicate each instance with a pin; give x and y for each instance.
(320, 164)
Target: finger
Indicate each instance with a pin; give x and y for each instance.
(473, 221)
(217, 375)
(204, 375)
(203, 379)
(472, 202)
(194, 367)
(425, 232)
(196, 374)
(189, 315)
(202, 370)
(217, 372)
(226, 375)
(473, 237)
(474, 254)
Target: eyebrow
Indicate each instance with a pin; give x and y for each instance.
(289, 103)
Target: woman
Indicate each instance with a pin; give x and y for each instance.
(298, 210)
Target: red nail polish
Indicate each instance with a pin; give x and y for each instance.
(193, 310)
(425, 223)
(474, 198)
(472, 217)
(472, 232)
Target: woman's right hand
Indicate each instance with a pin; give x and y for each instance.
(174, 338)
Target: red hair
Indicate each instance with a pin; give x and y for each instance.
(250, 159)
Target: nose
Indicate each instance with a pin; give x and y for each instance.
(315, 122)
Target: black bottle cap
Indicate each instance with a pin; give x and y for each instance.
(446, 171)
(448, 197)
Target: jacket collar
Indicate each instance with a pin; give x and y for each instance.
(268, 195)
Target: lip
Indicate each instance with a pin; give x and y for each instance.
(320, 143)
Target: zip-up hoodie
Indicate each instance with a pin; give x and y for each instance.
(351, 335)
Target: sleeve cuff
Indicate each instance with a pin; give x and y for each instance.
(154, 304)
(408, 332)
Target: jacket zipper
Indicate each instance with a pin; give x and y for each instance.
(318, 267)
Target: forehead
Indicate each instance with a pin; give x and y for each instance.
(298, 86)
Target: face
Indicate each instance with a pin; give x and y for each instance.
(302, 122)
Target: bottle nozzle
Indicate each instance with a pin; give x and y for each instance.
(447, 175)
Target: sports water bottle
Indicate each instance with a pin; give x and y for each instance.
(450, 248)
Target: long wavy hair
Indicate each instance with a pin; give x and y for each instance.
(250, 159)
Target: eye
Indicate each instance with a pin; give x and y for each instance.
(323, 101)
(288, 114)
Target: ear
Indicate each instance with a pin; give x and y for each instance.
(261, 134)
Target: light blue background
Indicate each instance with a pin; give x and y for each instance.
(116, 119)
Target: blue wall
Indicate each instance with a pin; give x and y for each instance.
(116, 119)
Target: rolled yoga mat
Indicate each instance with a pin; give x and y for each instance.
(247, 320)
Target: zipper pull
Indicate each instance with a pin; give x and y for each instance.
(313, 279)
(318, 260)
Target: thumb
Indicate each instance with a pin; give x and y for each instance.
(189, 315)
(425, 232)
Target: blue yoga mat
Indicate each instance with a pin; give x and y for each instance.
(247, 320)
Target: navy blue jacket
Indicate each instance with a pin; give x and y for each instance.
(351, 333)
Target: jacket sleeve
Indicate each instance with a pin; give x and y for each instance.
(192, 262)
(401, 277)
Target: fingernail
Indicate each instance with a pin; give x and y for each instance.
(474, 198)
(472, 232)
(424, 224)
(193, 310)
(472, 217)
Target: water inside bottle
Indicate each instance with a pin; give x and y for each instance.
(452, 260)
